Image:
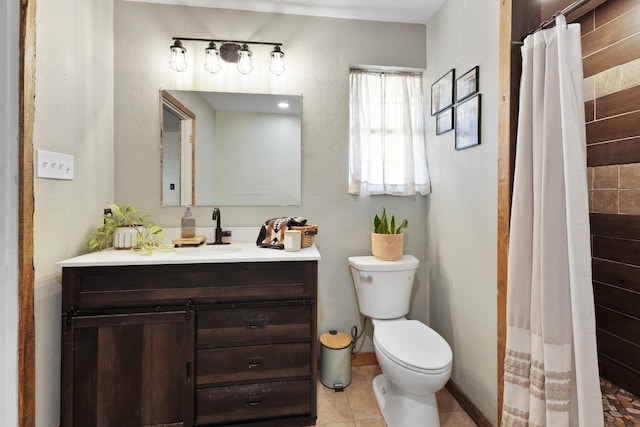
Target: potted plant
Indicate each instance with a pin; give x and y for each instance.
(126, 228)
(387, 239)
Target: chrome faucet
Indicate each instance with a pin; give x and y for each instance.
(219, 233)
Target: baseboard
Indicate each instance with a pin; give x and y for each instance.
(468, 405)
(362, 359)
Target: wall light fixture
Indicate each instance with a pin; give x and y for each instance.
(231, 51)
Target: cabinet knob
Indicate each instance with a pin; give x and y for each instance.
(255, 324)
(254, 362)
(255, 400)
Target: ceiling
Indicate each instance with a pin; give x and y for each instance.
(406, 11)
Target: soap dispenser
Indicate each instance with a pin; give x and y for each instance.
(188, 225)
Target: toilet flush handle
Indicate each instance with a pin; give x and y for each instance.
(366, 279)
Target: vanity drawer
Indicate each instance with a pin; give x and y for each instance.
(222, 405)
(251, 363)
(95, 287)
(254, 325)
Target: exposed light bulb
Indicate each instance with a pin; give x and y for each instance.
(178, 60)
(277, 61)
(244, 63)
(212, 58)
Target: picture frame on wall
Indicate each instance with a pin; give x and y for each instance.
(444, 121)
(467, 122)
(467, 84)
(442, 93)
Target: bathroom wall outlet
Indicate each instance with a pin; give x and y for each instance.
(54, 165)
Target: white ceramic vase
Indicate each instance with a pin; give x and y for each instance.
(125, 237)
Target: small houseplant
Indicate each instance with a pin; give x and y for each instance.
(387, 238)
(140, 234)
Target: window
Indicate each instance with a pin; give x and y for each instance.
(387, 152)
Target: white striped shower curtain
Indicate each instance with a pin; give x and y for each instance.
(551, 371)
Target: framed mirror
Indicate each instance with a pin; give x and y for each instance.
(230, 149)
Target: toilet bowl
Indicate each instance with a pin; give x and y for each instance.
(415, 360)
(415, 363)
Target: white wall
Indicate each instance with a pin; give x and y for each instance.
(274, 139)
(462, 211)
(318, 53)
(9, 81)
(73, 115)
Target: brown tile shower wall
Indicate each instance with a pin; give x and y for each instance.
(614, 189)
(611, 55)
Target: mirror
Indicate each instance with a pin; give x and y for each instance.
(230, 149)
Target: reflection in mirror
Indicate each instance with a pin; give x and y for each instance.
(246, 151)
(178, 125)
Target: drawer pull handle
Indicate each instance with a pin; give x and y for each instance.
(254, 362)
(254, 400)
(255, 324)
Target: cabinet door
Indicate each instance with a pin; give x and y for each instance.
(128, 370)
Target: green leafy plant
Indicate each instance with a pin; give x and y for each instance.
(148, 234)
(382, 225)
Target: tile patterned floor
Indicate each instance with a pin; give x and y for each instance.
(621, 408)
(357, 407)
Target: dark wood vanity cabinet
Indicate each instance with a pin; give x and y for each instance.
(131, 369)
(189, 344)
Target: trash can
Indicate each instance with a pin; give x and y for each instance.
(335, 360)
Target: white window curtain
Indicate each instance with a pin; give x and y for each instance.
(387, 152)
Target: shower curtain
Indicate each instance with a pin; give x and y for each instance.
(551, 371)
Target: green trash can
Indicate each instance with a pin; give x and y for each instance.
(335, 360)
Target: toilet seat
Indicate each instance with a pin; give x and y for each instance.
(413, 345)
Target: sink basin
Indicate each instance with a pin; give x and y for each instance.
(208, 250)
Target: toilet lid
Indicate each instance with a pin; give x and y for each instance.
(414, 345)
(369, 263)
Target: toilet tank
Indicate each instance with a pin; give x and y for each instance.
(383, 288)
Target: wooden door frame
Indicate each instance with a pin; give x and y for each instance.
(504, 188)
(185, 114)
(26, 324)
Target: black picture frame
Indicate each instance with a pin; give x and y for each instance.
(467, 122)
(444, 121)
(442, 95)
(468, 84)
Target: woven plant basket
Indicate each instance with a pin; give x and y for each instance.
(387, 247)
(308, 234)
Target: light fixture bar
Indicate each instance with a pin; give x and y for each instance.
(231, 51)
(240, 42)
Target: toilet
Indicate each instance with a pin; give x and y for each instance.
(415, 360)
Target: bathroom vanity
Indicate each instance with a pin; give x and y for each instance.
(201, 336)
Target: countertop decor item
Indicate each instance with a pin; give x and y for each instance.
(308, 234)
(387, 238)
(189, 241)
(132, 229)
(188, 224)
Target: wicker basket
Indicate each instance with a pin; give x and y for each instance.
(308, 234)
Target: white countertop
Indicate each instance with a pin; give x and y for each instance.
(242, 249)
(234, 252)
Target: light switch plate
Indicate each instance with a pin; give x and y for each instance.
(54, 165)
